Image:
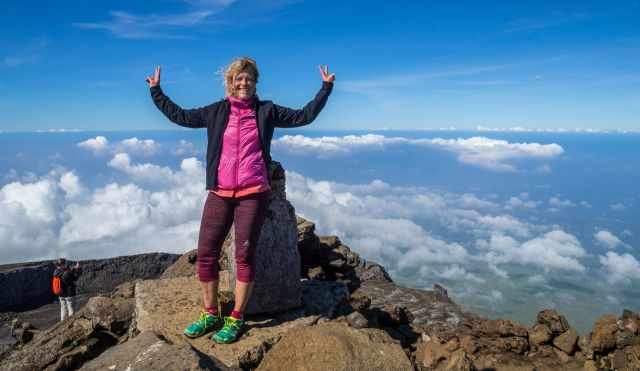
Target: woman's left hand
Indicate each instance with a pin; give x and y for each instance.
(324, 72)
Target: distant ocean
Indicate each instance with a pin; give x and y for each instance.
(509, 222)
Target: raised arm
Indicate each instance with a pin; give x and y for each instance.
(191, 118)
(291, 118)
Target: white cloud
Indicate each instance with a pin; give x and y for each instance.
(607, 239)
(145, 147)
(145, 172)
(158, 26)
(491, 154)
(521, 201)
(555, 250)
(133, 146)
(57, 216)
(186, 148)
(556, 202)
(455, 272)
(494, 154)
(617, 207)
(70, 184)
(620, 267)
(29, 218)
(97, 145)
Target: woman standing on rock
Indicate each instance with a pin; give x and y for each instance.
(239, 130)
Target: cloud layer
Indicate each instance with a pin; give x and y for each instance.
(482, 152)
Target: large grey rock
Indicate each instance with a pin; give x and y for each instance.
(427, 307)
(167, 306)
(323, 298)
(277, 276)
(28, 285)
(147, 352)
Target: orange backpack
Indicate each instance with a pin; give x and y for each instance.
(56, 285)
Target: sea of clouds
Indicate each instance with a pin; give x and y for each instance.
(478, 245)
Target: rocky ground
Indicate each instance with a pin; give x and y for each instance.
(347, 314)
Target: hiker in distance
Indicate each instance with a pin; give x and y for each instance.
(64, 285)
(239, 130)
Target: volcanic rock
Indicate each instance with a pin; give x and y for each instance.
(147, 352)
(555, 321)
(168, 306)
(96, 327)
(603, 336)
(334, 346)
(566, 341)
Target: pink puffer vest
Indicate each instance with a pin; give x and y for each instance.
(241, 164)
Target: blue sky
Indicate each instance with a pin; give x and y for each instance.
(399, 65)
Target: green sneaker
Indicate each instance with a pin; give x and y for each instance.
(229, 332)
(206, 323)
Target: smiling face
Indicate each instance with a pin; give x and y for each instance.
(244, 85)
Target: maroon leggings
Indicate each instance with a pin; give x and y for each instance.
(247, 213)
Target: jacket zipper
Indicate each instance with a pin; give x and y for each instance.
(236, 186)
(226, 124)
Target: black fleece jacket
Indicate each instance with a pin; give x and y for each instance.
(215, 117)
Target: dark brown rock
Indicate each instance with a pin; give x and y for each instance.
(603, 336)
(512, 344)
(184, 266)
(431, 354)
(468, 344)
(566, 341)
(539, 334)
(460, 361)
(555, 321)
(68, 344)
(503, 328)
(624, 338)
(619, 360)
(147, 352)
(333, 346)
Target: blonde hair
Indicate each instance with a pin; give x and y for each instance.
(242, 64)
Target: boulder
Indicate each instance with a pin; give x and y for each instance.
(460, 361)
(371, 271)
(431, 353)
(357, 320)
(603, 335)
(426, 307)
(555, 321)
(93, 329)
(277, 272)
(183, 267)
(539, 334)
(503, 328)
(335, 346)
(324, 298)
(168, 306)
(147, 352)
(566, 341)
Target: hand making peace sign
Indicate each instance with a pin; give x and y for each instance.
(155, 79)
(324, 71)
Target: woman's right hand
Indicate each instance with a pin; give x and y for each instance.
(155, 79)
